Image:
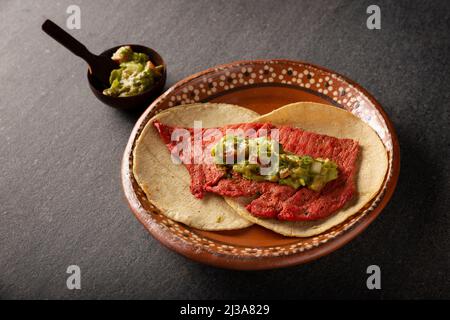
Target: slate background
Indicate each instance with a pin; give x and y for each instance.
(61, 201)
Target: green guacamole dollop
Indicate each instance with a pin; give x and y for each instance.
(292, 170)
(136, 74)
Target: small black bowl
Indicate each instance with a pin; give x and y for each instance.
(137, 101)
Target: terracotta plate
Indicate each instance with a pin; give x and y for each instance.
(263, 86)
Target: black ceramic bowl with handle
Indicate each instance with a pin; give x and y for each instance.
(133, 102)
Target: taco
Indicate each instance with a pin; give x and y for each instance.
(369, 170)
(166, 184)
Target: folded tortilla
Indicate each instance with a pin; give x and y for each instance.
(166, 184)
(325, 119)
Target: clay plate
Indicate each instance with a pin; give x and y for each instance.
(263, 86)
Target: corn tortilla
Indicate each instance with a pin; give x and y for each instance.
(166, 184)
(336, 122)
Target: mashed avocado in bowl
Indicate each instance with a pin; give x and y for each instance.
(136, 74)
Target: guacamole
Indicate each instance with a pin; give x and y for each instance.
(136, 74)
(292, 170)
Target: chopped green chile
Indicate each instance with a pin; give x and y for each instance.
(136, 74)
(292, 170)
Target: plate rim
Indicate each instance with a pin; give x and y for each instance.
(168, 239)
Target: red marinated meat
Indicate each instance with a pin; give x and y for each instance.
(274, 200)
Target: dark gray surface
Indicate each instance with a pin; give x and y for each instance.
(61, 199)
